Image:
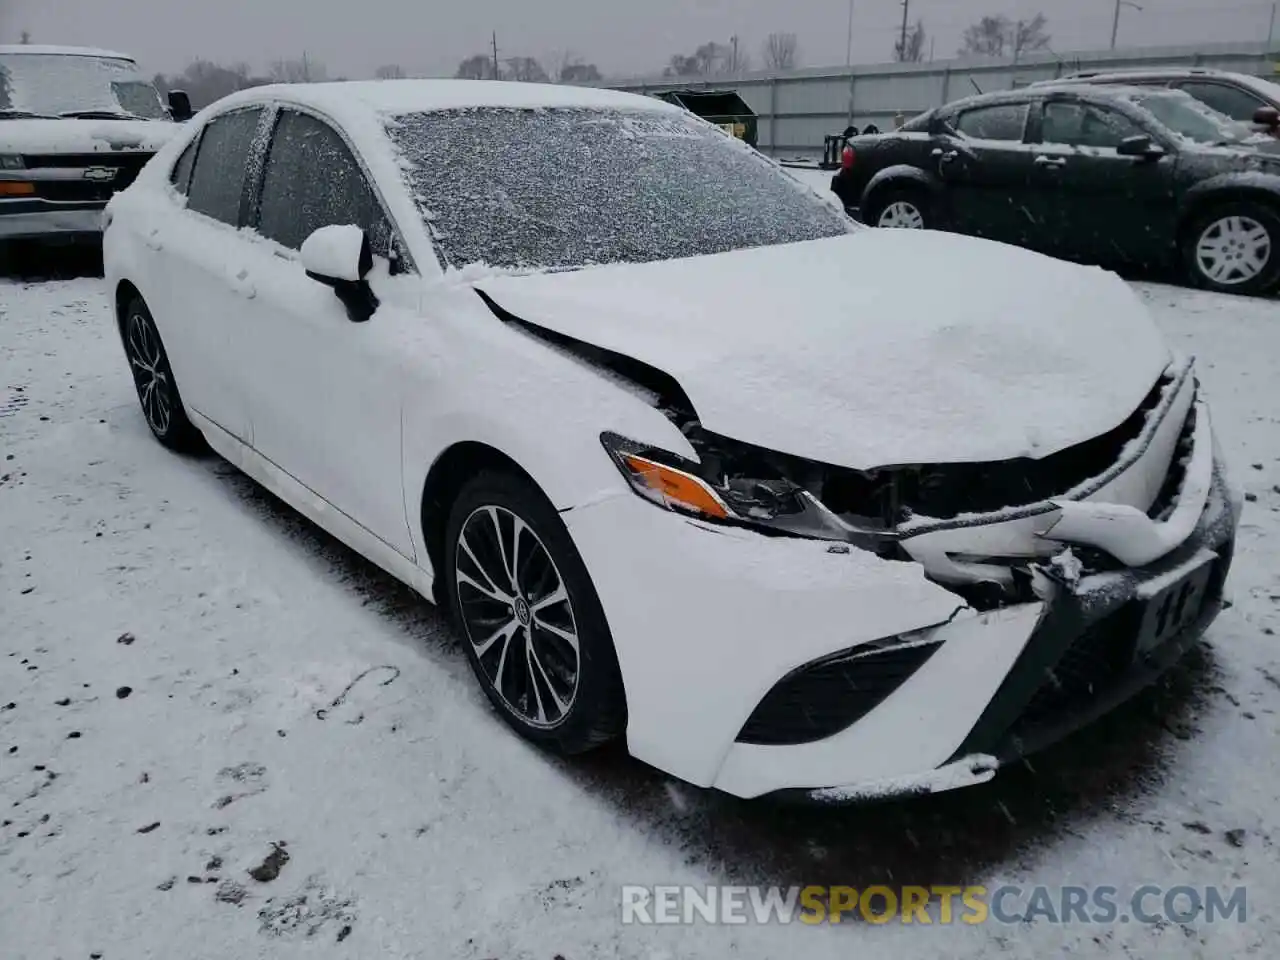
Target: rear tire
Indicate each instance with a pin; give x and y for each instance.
(153, 378)
(901, 208)
(536, 636)
(1234, 247)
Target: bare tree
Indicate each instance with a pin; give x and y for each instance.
(1029, 35)
(910, 47)
(206, 82)
(708, 60)
(305, 70)
(780, 51)
(390, 71)
(527, 69)
(996, 36)
(579, 73)
(476, 67)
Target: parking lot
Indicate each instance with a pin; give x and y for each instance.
(191, 674)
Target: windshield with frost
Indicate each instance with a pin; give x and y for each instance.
(52, 84)
(570, 187)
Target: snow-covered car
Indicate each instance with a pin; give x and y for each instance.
(566, 361)
(76, 126)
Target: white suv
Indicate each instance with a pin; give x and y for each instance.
(76, 126)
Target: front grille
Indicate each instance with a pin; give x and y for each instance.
(88, 191)
(130, 161)
(822, 698)
(1095, 661)
(74, 191)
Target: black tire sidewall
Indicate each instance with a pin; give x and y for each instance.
(598, 713)
(918, 197)
(1264, 214)
(181, 434)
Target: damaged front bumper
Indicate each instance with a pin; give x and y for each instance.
(764, 665)
(1098, 642)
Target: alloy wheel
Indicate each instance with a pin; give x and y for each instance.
(901, 215)
(151, 374)
(1233, 250)
(517, 615)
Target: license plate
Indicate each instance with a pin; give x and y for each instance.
(1173, 609)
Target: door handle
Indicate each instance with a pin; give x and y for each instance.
(945, 155)
(241, 282)
(1054, 163)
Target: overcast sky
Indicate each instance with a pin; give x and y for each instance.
(353, 37)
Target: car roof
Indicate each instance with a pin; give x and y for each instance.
(46, 50)
(1150, 73)
(396, 97)
(1084, 90)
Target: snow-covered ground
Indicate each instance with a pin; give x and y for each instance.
(190, 675)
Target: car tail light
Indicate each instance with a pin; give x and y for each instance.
(847, 158)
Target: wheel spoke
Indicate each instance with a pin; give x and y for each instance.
(560, 703)
(541, 715)
(489, 592)
(559, 595)
(502, 548)
(503, 634)
(493, 592)
(565, 635)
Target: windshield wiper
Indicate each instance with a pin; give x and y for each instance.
(99, 115)
(7, 114)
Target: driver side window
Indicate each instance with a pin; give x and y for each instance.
(311, 180)
(1086, 125)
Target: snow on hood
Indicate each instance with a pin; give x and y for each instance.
(84, 136)
(875, 349)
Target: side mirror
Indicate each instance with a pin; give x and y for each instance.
(340, 257)
(1268, 117)
(180, 106)
(1140, 146)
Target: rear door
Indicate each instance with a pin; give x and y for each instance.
(1092, 204)
(986, 169)
(190, 249)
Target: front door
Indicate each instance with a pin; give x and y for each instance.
(1096, 205)
(324, 391)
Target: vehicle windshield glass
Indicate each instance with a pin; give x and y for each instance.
(561, 188)
(51, 84)
(1190, 118)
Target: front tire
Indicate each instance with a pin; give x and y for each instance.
(902, 208)
(1234, 248)
(153, 378)
(533, 627)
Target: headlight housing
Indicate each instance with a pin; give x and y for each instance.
(11, 161)
(723, 490)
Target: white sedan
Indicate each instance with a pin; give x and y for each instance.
(693, 459)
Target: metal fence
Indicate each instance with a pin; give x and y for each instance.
(799, 108)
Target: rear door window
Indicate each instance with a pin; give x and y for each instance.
(1004, 121)
(311, 180)
(217, 179)
(181, 176)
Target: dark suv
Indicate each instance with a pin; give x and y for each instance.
(1099, 174)
(1243, 98)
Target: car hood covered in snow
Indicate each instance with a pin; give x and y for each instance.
(84, 136)
(875, 349)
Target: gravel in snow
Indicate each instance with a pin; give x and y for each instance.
(303, 765)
